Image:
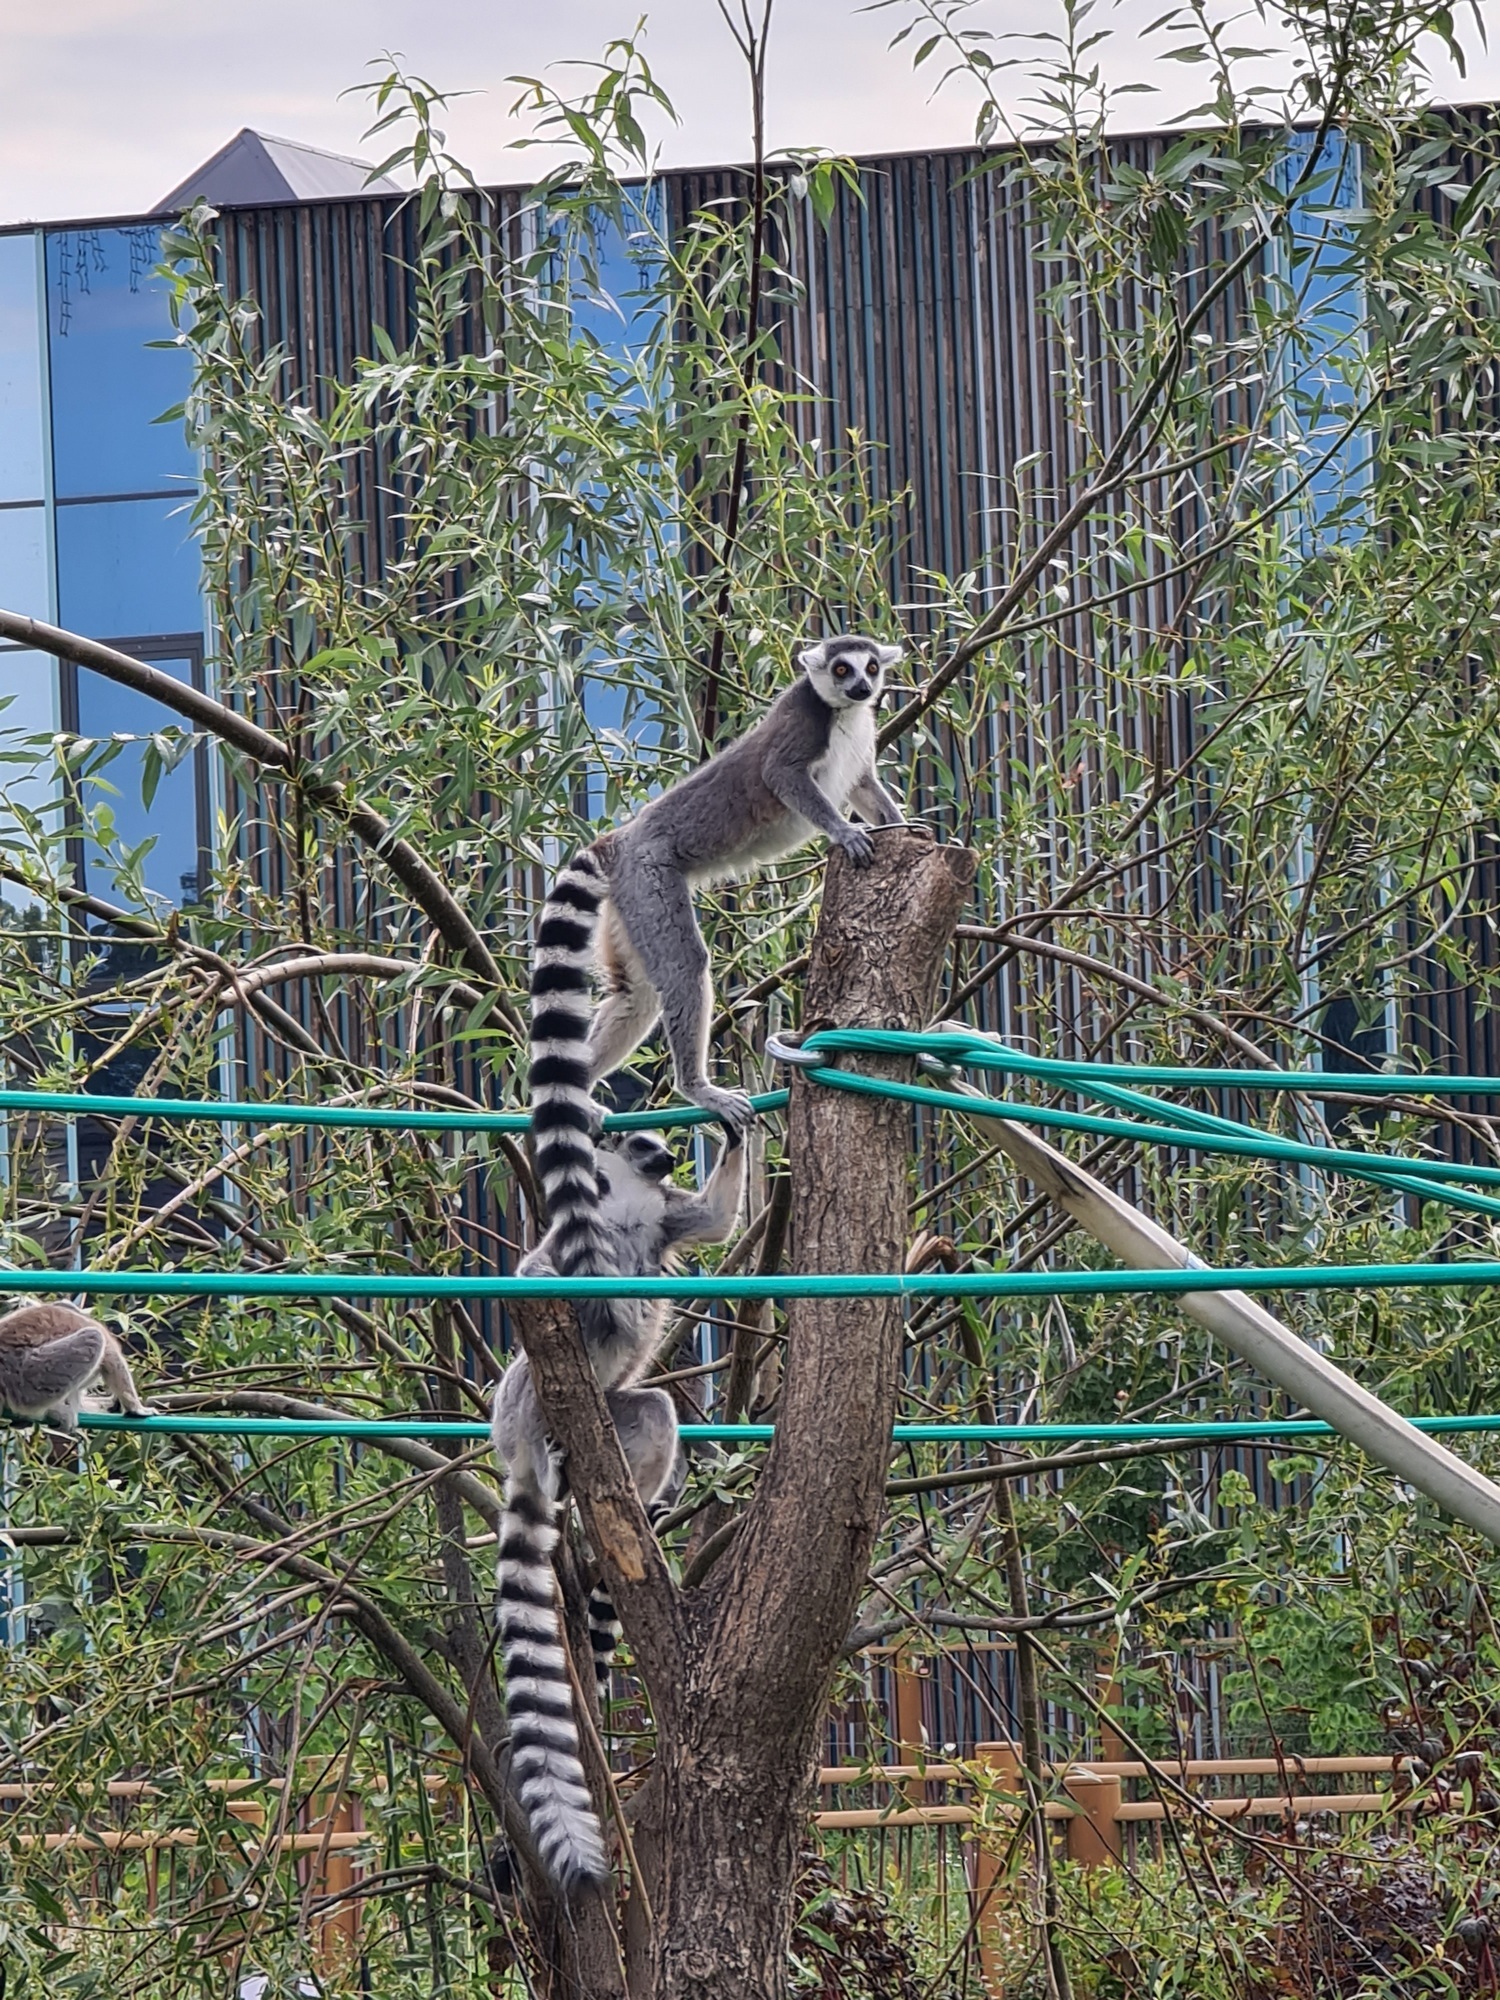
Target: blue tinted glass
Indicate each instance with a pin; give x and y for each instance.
(1325, 274)
(28, 687)
(171, 868)
(108, 386)
(21, 431)
(23, 561)
(28, 708)
(625, 312)
(126, 568)
(621, 307)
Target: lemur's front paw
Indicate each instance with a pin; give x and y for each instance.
(859, 847)
(732, 1108)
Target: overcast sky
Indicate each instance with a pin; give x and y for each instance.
(109, 103)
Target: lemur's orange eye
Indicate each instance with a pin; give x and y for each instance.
(841, 671)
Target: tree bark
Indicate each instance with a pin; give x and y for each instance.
(724, 1813)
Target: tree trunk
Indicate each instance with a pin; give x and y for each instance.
(724, 1812)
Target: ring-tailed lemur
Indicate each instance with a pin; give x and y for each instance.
(642, 1221)
(631, 894)
(50, 1355)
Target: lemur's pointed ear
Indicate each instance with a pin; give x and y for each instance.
(812, 657)
(888, 655)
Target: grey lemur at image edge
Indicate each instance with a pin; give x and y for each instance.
(50, 1355)
(642, 1221)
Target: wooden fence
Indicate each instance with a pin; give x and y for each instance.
(965, 1813)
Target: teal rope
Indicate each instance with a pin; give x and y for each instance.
(1253, 1145)
(1228, 1431)
(798, 1285)
(1419, 1185)
(986, 1052)
(1213, 1136)
(978, 1051)
(351, 1117)
(1199, 1131)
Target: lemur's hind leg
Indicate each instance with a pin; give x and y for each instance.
(647, 1427)
(628, 1012)
(655, 910)
(114, 1372)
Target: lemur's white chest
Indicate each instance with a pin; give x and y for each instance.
(632, 1214)
(850, 753)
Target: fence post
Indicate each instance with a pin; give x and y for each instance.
(333, 1874)
(1111, 1698)
(1094, 1839)
(906, 1682)
(1003, 1763)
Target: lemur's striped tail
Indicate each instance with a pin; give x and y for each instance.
(545, 1766)
(604, 1635)
(604, 1626)
(562, 1108)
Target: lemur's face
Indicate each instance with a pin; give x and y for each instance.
(641, 1153)
(849, 672)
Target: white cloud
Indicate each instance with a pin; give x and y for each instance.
(111, 102)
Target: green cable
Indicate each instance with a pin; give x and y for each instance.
(1204, 1121)
(987, 1052)
(1199, 1130)
(981, 1051)
(1223, 1136)
(796, 1285)
(353, 1117)
(1252, 1145)
(1226, 1431)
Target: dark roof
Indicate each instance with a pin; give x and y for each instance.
(255, 168)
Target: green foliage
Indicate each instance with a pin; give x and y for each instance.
(1217, 709)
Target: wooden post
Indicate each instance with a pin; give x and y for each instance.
(1111, 1697)
(1094, 1839)
(333, 1873)
(906, 1688)
(1003, 1763)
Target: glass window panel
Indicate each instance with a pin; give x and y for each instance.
(171, 868)
(625, 314)
(108, 385)
(21, 429)
(28, 708)
(128, 567)
(23, 561)
(621, 303)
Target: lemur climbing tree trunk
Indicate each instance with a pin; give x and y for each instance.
(739, 1668)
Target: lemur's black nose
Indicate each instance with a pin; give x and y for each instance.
(861, 691)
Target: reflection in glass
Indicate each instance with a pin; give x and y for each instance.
(126, 567)
(114, 788)
(21, 429)
(28, 710)
(108, 385)
(23, 558)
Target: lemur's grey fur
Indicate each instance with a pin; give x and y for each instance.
(642, 1221)
(50, 1355)
(785, 779)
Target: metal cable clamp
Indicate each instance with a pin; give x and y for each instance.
(788, 1052)
(939, 1067)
